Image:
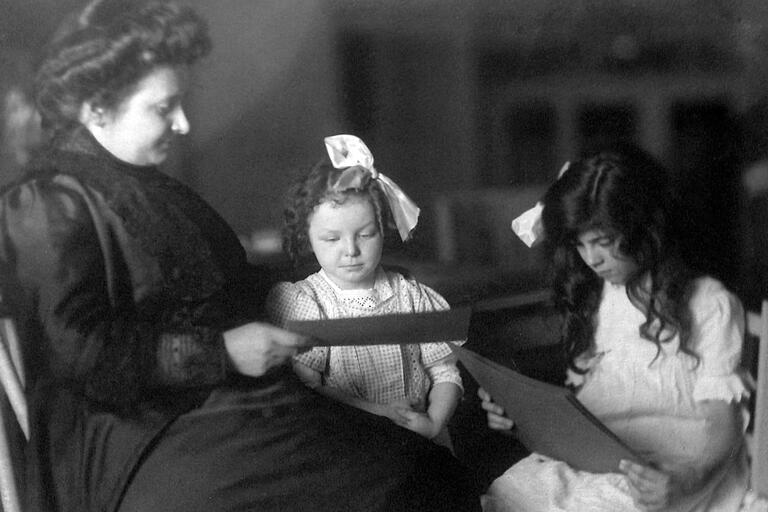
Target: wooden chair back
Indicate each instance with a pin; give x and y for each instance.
(757, 328)
(13, 416)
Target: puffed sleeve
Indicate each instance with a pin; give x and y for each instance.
(289, 301)
(53, 274)
(717, 337)
(433, 354)
(445, 371)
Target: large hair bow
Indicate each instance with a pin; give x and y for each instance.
(528, 225)
(350, 153)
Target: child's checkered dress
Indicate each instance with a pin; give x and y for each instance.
(377, 373)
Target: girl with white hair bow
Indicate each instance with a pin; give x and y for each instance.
(339, 215)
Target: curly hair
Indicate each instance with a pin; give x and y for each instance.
(98, 55)
(625, 193)
(316, 188)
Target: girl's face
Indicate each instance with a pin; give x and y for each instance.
(140, 129)
(346, 241)
(600, 251)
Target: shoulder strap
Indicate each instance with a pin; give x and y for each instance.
(305, 286)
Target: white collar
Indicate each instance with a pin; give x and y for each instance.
(355, 292)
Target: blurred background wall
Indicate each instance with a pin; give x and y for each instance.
(472, 107)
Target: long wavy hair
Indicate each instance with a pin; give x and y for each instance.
(315, 188)
(624, 193)
(102, 52)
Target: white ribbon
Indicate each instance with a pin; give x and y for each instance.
(349, 151)
(528, 226)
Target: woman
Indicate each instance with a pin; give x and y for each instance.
(149, 388)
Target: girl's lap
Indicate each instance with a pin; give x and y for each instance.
(541, 484)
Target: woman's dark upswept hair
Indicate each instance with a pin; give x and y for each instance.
(105, 50)
(316, 188)
(623, 193)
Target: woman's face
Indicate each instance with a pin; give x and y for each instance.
(600, 251)
(140, 129)
(347, 242)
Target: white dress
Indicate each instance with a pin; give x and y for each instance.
(649, 401)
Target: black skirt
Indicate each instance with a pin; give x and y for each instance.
(283, 447)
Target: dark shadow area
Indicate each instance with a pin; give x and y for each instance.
(522, 337)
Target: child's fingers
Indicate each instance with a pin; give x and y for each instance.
(401, 421)
(492, 408)
(652, 502)
(496, 418)
(628, 467)
(398, 419)
(643, 475)
(636, 475)
(650, 487)
(404, 416)
(497, 422)
(405, 412)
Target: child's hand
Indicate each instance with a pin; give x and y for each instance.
(401, 412)
(396, 410)
(496, 418)
(420, 423)
(652, 489)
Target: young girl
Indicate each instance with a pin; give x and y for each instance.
(341, 212)
(653, 352)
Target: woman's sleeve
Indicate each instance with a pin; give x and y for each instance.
(53, 275)
(288, 301)
(717, 337)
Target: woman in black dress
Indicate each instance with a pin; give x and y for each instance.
(150, 385)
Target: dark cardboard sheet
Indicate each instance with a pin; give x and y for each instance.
(549, 419)
(450, 325)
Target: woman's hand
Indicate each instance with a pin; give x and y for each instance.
(256, 347)
(496, 418)
(651, 488)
